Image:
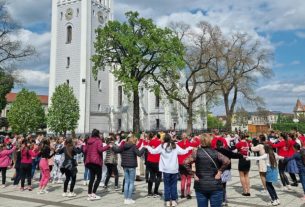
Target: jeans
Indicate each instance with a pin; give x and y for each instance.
(86, 174)
(215, 198)
(271, 191)
(170, 186)
(302, 178)
(129, 175)
(35, 163)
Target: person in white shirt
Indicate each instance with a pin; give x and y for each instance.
(169, 166)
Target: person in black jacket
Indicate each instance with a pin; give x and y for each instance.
(69, 166)
(129, 162)
(226, 175)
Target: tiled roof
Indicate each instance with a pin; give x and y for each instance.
(299, 107)
(11, 97)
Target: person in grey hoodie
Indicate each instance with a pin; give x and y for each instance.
(129, 162)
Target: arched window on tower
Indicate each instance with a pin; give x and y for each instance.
(69, 34)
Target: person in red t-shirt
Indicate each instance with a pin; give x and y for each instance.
(215, 139)
(244, 165)
(186, 176)
(155, 175)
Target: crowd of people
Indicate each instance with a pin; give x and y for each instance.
(204, 159)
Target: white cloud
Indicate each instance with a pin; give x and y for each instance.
(299, 89)
(284, 87)
(30, 12)
(34, 78)
(300, 34)
(295, 62)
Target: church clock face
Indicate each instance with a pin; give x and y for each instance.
(101, 17)
(69, 14)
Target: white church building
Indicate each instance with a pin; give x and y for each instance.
(102, 102)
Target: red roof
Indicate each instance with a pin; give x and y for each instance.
(11, 97)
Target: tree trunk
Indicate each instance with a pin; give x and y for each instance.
(189, 129)
(228, 114)
(136, 111)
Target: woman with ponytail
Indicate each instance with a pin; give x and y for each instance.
(271, 159)
(169, 166)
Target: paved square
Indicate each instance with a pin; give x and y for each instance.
(11, 197)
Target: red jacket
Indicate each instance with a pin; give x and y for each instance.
(94, 151)
(184, 144)
(214, 142)
(195, 142)
(284, 149)
(25, 159)
(154, 143)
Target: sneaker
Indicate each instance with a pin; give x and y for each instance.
(157, 195)
(126, 202)
(93, 197)
(21, 189)
(30, 188)
(225, 204)
(3, 186)
(131, 201)
(295, 184)
(263, 191)
(168, 204)
(272, 203)
(174, 203)
(278, 201)
(149, 195)
(85, 182)
(182, 196)
(45, 191)
(101, 184)
(64, 194)
(284, 188)
(289, 187)
(71, 194)
(40, 192)
(188, 197)
(59, 181)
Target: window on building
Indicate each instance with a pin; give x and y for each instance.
(158, 123)
(157, 101)
(69, 34)
(68, 82)
(61, 15)
(119, 124)
(120, 95)
(93, 13)
(68, 62)
(99, 85)
(77, 12)
(99, 107)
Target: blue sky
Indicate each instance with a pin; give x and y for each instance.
(278, 23)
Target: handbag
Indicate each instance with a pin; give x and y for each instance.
(224, 176)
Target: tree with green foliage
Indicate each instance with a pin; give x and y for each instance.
(140, 51)
(6, 85)
(26, 113)
(214, 122)
(63, 114)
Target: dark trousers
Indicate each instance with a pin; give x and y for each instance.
(69, 176)
(95, 172)
(283, 176)
(170, 187)
(112, 168)
(26, 172)
(271, 191)
(17, 177)
(3, 173)
(155, 176)
(294, 178)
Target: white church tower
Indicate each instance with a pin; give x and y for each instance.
(102, 102)
(73, 32)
